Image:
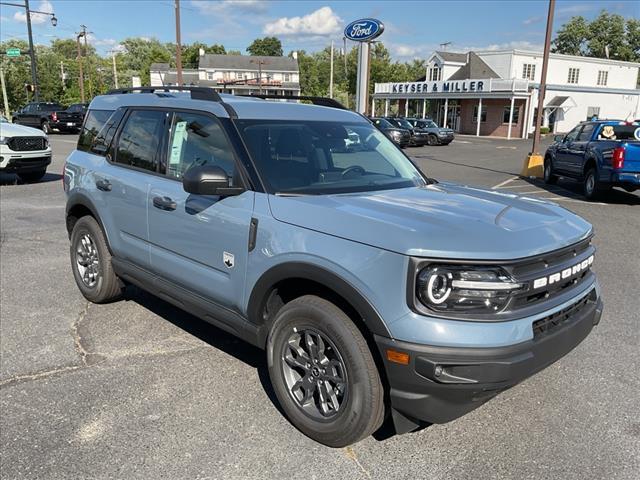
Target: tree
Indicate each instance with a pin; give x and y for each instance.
(191, 53)
(606, 33)
(267, 46)
(572, 37)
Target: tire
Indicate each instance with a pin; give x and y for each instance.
(45, 127)
(549, 177)
(91, 262)
(432, 140)
(590, 185)
(359, 396)
(32, 177)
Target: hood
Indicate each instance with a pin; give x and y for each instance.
(441, 220)
(15, 130)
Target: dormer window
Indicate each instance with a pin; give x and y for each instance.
(435, 73)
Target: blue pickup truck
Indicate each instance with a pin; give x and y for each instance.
(602, 154)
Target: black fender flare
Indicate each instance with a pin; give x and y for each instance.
(80, 199)
(306, 271)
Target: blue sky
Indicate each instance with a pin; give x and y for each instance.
(413, 28)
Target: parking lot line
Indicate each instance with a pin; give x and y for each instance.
(501, 184)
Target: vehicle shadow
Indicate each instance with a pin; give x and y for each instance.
(208, 333)
(572, 189)
(13, 179)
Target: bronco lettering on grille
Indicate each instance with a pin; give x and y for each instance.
(564, 274)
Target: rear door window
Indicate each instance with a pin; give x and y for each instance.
(585, 134)
(140, 138)
(93, 123)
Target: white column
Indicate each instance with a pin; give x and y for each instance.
(525, 116)
(479, 117)
(446, 109)
(386, 107)
(373, 106)
(424, 108)
(362, 81)
(510, 119)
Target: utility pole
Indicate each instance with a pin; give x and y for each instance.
(346, 103)
(543, 80)
(115, 68)
(178, 44)
(86, 55)
(259, 63)
(32, 51)
(331, 74)
(4, 94)
(534, 163)
(64, 87)
(81, 75)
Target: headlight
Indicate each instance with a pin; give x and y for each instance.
(395, 133)
(4, 140)
(465, 289)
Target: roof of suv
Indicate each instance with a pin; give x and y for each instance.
(245, 107)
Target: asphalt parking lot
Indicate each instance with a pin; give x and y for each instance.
(139, 389)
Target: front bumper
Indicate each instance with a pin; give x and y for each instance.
(12, 161)
(441, 384)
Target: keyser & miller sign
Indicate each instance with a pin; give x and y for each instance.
(434, 87)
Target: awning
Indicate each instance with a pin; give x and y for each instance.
(560, 102)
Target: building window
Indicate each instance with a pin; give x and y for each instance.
(483, 114)
(435, 74)
(209, 75)
(574, 74)
(603, 76)
(529, 71)
(287, 77)
(239, 76)
(516, 114)
(593, 113)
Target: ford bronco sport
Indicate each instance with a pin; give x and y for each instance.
(377, 292)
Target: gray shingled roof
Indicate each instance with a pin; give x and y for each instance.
(247, 62)
(453, 56)
(475, 67)
(159, 67)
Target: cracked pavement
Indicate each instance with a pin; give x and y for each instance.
(139, 389)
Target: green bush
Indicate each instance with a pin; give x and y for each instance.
(544, 130)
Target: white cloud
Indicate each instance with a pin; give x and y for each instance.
(532, 20)
(405, 52)
(36, 18)
(322, 22)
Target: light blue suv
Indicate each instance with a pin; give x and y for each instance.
(377, 292)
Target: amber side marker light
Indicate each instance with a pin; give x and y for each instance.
(398, 357)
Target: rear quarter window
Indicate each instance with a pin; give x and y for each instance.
(93, 123)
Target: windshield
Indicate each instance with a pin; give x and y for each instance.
(382, 123)
(315, 158)
(404, 123)
(428, 124)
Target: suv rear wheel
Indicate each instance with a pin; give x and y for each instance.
(549, 177)
(432, 139)
(590, 184)
(91, 262)
(45, 127)
(323, 373)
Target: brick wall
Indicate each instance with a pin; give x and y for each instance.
(494, 125)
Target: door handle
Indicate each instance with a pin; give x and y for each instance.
(104, 185)
(164, 203)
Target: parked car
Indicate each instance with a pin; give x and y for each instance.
(435, 135)
(47, 116)
(376, 291)
(24, 151)
(601, 154)
(417, 139)
(400, 136)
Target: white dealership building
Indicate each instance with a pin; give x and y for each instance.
(495, 93)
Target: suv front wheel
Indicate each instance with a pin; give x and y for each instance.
(91, 262)
(323, 373)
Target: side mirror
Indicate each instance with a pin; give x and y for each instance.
(558, 138)
(208, 180)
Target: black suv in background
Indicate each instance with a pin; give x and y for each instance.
(49, 115)
(434, 134)
(417, 137)
(401, 136)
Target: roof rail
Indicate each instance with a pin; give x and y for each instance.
(321, 101)
(197, 93)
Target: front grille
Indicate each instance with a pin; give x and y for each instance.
(552, 322)
(27, 144)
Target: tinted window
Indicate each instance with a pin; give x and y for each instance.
(50, 107)
(76, 108)
(139, 139)
(573, 134)
(197, 139)
(93, 123)
(585, 134)
(619, 132)
(103, 139)
(326, 157)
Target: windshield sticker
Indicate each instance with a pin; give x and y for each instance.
(179, 139)
(608, 132)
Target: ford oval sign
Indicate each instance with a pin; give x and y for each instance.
(364, 30)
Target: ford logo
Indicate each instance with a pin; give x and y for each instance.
(364, 29)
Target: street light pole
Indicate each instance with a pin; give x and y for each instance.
(178, 45)
(81, 75)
